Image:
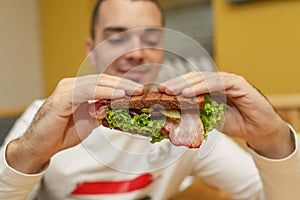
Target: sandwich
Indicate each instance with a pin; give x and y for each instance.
(184, 121)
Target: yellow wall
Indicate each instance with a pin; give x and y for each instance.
(65, 27)
(260, 40)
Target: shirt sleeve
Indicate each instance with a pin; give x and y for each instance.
(14, 184)
(230, 168)
(280, 177)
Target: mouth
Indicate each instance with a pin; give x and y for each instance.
(133, 73)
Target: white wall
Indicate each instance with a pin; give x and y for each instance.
(20, 54)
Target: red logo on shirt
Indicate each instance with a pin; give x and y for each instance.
(113, 187)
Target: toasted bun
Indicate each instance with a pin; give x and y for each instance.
(157, 99)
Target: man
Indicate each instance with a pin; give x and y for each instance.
(50, 160)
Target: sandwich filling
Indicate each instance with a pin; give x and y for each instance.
(159, 120)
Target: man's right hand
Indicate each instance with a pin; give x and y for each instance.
(53, 128)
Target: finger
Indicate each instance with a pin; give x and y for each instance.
(130, 87)
(85, 89)
(80, 126)
(210, 83)
(103, 87)
(176, 85)
(108, 93)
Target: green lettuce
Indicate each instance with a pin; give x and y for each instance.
(143, 124)
(211, 115)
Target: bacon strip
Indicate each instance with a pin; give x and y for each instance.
(186, 132)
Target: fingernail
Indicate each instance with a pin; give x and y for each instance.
(138, 91)
(170, 92)
(161, 88)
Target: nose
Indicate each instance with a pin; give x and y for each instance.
(136, 54)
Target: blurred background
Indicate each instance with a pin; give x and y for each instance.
(42, 41)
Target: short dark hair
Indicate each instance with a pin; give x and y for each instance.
(97, 8)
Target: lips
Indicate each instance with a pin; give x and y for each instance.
(133, 73)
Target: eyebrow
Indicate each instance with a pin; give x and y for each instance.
(114, 29)
(153, 29)
(122, 29)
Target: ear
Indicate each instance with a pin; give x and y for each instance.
(89, 47)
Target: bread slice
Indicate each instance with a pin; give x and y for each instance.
(159, 100)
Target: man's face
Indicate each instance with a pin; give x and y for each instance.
(132, 35)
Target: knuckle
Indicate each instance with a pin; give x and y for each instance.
(239, 78)
(65, 81)
(233, 77)
(193, 73)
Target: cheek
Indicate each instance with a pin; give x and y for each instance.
(107, 64)
(111, 69)
(155, 55)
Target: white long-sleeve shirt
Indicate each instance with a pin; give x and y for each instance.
(110, 165)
